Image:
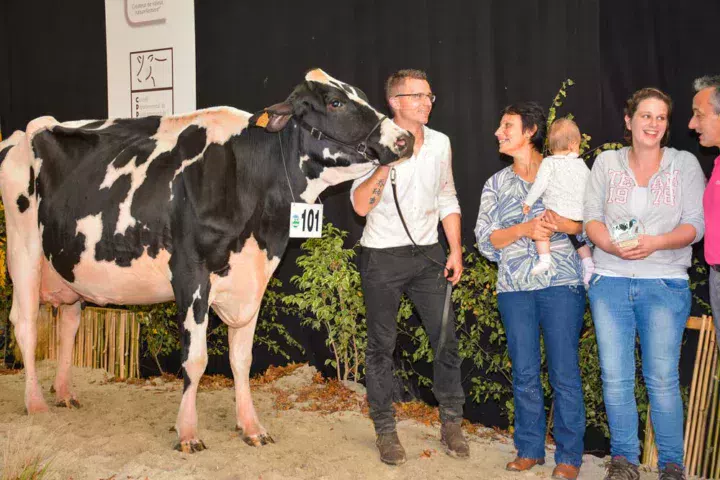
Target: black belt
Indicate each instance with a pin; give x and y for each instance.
(715, 267)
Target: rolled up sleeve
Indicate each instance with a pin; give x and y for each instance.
(357, 182)
(488, 221)
(693, 187)
(594, 202)
(447, 198)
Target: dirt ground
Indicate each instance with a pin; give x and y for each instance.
(123, 432)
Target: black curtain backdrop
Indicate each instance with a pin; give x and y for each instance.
(480, 56)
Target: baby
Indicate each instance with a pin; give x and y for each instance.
(560, 182)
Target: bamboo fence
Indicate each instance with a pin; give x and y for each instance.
(107, 338)
(702, 426)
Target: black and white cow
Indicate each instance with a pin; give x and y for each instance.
(191, 207)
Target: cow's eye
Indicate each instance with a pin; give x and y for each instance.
(336, 104)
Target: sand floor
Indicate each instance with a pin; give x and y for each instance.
(123, 432)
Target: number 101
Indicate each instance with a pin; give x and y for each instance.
(310, 220)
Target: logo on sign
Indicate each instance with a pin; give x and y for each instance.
(295, 221)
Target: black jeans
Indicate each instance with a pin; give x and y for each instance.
(386, 274)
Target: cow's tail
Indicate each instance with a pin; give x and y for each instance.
(9, 143)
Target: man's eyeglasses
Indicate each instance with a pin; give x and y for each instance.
(418, 96)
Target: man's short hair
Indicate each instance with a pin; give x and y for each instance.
(710, 81)
(398, 77)
(562, 134)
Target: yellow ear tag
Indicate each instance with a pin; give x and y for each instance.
(263, 120)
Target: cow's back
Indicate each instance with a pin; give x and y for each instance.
(110, 185)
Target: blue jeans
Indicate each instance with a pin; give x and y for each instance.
(657, 309)
(558, 311)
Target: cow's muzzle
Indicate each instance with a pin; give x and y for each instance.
(404, 145)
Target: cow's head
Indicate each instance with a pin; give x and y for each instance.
(338, 127)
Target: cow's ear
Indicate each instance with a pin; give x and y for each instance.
(274, 118)
(307, 97)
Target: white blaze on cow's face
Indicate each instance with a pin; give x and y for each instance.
(390, 133)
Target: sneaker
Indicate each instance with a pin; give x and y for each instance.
(452, 437)
(620, 469)
(391, 451)
(672, 471)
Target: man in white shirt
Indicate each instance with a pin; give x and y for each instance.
(391, 265)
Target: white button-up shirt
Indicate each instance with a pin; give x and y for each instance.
(426, 193)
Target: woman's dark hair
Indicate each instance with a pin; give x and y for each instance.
(532, 115)
(633, 102)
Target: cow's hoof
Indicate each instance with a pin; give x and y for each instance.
(68, 403)
(257, 440)
(190, 446)
(37, 407)
(36, 404)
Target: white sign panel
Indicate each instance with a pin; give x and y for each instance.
(150, 57)
(306, 220)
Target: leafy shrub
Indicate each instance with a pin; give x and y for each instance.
(330, 292)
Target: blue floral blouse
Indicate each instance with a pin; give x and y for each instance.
(501, 207)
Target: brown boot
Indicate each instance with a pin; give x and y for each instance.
(564, 471)
(391, 451)
(520, 464)
(451, 436)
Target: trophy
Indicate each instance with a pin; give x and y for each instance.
(625, 233)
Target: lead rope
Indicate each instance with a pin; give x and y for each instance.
(282, 154)
(448, 288)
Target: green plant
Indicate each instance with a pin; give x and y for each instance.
(330, 292)
(159, 330)
(556, 103)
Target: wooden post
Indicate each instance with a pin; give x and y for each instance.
(699, 404)
(122, 343)
(95, 337)
(690, 422)
(706, 394)
(113, 337)
(132, 347)
(104, 351)
(137, 347)
(126, 351)
(710, 452)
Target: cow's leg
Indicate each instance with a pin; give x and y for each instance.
(193, 318)
(23, 315)
(240, 341)
(69, 323)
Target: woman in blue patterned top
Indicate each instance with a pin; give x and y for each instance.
(553, 302)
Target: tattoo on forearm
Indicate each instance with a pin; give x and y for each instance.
(376, 191)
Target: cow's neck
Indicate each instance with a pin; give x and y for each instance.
(305, 167)
(322, 168)
(291, 178)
